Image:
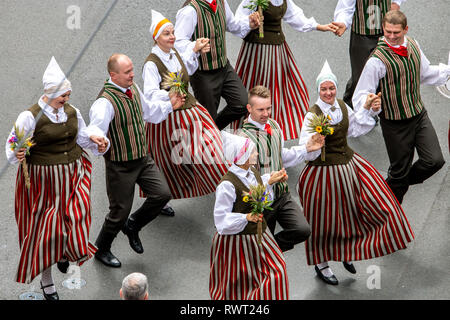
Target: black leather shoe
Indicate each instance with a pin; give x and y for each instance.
(330, 280)
(168, 211)
(349, 266)
(133, 238)
(63, 266)
(108, 259)
(50, 296)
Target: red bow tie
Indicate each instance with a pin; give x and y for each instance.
(401, 51)
(129, 93)
(213, 5)
(268, 129)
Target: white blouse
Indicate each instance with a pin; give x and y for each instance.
(375, 70)
(27, 123)
(360, 123)
(294, 15)
(226, 221)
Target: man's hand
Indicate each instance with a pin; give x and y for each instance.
(177, 100)
(20, 155)
(255, 20)
(278, 176)
(202, 45)
(102, 143)
(395, 6)
(315, 142)
(327, 27)
(373, 102)
(340, 28)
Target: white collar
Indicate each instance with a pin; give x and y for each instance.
(405, 43)
(325, 107)
(163, 55)
(241, 173)
(119, 87)
(46, 107)
(257, 124)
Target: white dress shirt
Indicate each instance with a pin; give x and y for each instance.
(27, 123)
(102, 113)
(345, 10)
(186, 21)
(226, 221)
(152, 78)
(290, 157)
(294, 15)
(360, 123)
(375, 70)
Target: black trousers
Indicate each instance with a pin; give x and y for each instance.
(210, 86)
(361, 47)
(121, 178)
(402, 137)
(290, 217)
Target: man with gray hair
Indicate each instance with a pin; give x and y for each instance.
(134, 287)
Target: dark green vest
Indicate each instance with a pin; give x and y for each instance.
(241, 206)
(55, 143)
(163, 71)
(368, 16)
(336, 149)
(273, 31)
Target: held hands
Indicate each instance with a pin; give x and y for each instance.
(102, 143)
(202, 45)
(327, 27)
(340, 28)
(255, 20)
(177, 100)
(278, 176)
(315, 142)
(254, 218)
(373, 102)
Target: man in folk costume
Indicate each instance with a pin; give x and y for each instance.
(215, 78)
(272, 156)
(119, 113)
(53, 212)
(399, 67)
(364, 17)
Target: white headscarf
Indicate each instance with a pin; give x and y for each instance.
(55, 81)
(159, 23)
(326, 75)
(236, 149)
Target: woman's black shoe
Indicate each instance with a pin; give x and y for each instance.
(349, 266)
(63, 266)
(49, 296)
(330, 280)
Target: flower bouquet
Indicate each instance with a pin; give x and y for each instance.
(257, 198)
(321, 124)
(17, 142)
(260, 6)
(173, 81)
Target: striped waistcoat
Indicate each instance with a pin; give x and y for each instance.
(269, 151)
(369, 15)
(213, 26)
(127, 129)
(400, 88)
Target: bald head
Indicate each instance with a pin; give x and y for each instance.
(120, 68)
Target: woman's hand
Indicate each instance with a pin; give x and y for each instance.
(254, 218)
(20, 155)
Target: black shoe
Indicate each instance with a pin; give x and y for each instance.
(63, 266)
(168, 211)
(349, 266)
(108, 259)
(330, 280)
(133, 237)
(50, 296)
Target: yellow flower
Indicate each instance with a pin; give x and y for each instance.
(245, 199)
(331, 130)
(319, 129)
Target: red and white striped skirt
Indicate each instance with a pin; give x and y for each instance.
(243, 270)
(54, 216)
(352, 212)
(274, 67)
(187, 148)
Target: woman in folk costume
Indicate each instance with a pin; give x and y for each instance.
(268, 61)
(242, 269)
(54, 214)
(352, 212)
(186, 146)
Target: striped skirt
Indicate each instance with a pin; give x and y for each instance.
(187, 148)
(352, 212)
(274, 67)
(243, 270)
(53, 217)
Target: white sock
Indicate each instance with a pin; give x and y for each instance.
(46, 279)
(327, 271)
